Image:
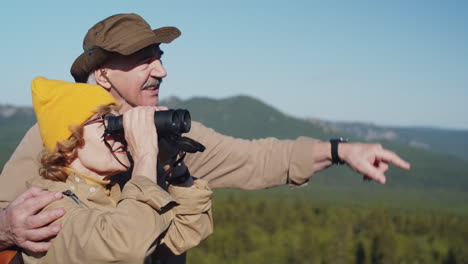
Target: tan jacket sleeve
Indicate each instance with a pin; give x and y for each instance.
(21, 166)
(193, 217)
(229, 162)
(124, 234)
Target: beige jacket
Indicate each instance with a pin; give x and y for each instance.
(125, 226)
(226, 163)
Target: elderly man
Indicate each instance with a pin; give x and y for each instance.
(122, 54)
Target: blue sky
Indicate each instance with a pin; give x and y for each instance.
(387, 62)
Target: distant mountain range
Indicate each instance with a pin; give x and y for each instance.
(444, 141)
(439, 157)
(436, 179)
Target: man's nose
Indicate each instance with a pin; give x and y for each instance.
(158, 69)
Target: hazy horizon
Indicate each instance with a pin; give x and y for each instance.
(295, 116)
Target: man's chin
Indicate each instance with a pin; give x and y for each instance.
(153, 101)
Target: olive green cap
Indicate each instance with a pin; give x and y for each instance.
(122, 33)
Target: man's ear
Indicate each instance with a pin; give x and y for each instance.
(100, 75)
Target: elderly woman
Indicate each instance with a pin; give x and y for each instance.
(104, 223)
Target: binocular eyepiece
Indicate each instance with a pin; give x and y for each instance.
(168, 123)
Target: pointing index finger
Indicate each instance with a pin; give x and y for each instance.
(390, 156)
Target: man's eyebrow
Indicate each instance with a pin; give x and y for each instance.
(140, 57)
(156, 54)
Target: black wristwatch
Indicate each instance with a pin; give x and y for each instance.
(334, 149)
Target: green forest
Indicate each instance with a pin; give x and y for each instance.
(277, 231)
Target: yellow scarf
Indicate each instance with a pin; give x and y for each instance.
(93, 180)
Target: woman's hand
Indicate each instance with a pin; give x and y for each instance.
(142, 140)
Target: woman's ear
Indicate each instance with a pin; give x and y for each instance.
(101, 78)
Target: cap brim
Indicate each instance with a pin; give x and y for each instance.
(77, 69)
(167, 34)
(161, 35)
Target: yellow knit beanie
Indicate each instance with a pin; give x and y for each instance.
(59, 104)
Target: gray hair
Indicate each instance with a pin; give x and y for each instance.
(91, 78)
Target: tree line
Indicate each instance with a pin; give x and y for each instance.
(277, 231)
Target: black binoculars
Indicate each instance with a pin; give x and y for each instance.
(168, 123)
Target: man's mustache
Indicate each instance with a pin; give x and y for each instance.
(155, 82)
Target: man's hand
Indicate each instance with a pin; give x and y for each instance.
(21, 226)
(370, 159)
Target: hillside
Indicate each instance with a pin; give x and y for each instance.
(245, 117)
(14, 122)
(435, 179)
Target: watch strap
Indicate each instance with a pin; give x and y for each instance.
(334, 149)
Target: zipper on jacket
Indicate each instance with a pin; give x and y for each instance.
(72, 195)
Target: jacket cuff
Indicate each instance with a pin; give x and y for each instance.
(301, 166)
(192, 200)
(144, 190)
